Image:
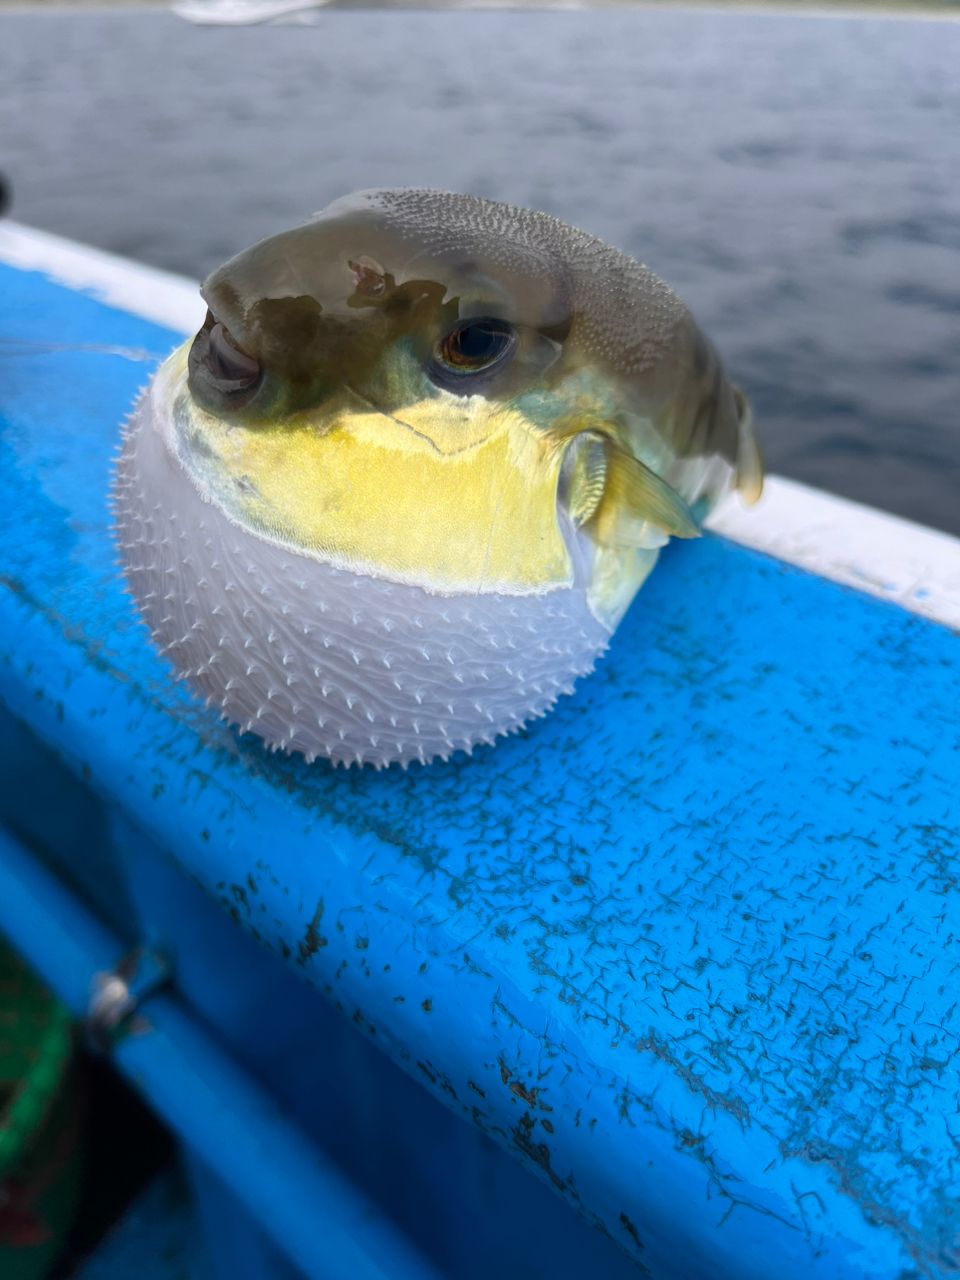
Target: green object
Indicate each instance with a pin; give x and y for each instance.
(39, 1124)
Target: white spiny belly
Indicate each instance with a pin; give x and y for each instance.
(323, 661)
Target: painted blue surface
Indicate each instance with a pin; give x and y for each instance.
(455, 1194)
(687, 947)
(286, 1185)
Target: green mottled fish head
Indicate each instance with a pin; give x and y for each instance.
(445, 391)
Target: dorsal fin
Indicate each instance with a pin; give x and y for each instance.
(749, 459)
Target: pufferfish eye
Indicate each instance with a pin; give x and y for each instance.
(225, 366)
(472, 347)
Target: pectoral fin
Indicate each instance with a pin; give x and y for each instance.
(634, 499)
(616, 498)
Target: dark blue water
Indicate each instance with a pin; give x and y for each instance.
(797, 179)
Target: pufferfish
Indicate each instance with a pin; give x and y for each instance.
(397, 493)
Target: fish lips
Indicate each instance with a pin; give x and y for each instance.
(280, 356)
(218, 380)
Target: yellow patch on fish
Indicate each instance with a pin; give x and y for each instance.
(405, 498)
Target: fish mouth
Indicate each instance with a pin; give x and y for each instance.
(221, 373)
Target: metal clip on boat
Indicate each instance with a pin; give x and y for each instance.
(117, 995)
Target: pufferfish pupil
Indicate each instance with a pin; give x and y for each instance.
(476, 346)
(399, 490)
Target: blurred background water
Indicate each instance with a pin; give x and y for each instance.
(795, 178)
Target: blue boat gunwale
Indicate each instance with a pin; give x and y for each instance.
(210, 788)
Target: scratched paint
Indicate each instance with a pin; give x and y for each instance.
(702, 922)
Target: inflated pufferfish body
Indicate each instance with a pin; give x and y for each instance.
(400, 489)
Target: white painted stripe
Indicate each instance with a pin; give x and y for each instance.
(883, 555)
(911, 566)
(155, 295)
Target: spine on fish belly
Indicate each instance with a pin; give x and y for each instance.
(326, 662)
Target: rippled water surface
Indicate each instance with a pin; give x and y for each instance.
(796, 179)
